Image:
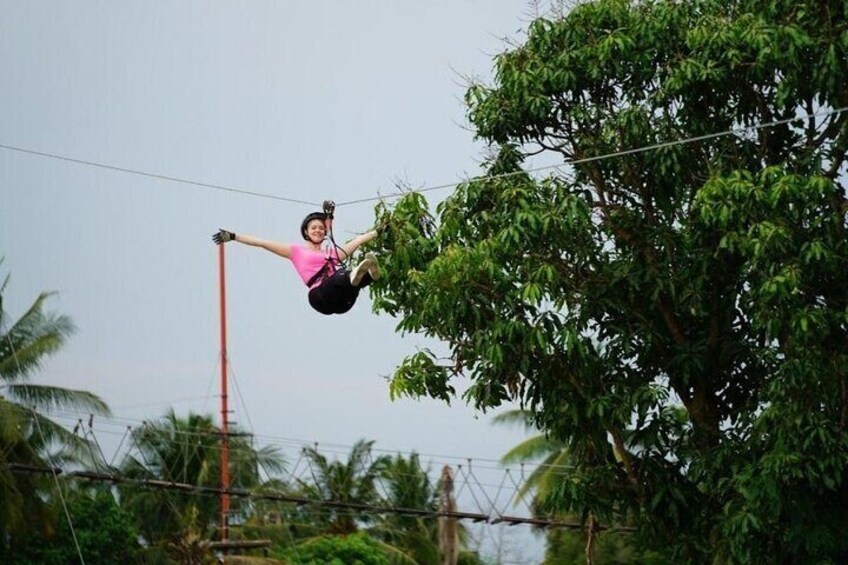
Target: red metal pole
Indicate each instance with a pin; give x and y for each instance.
(225, 426)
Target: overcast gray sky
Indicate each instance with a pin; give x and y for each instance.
(303, 100)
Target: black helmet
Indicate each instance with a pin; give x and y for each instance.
(305, 224)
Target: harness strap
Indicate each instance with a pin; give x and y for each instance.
(323, 272)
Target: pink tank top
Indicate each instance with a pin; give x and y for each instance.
(307, 262)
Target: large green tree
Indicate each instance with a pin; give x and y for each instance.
(30, 440)
(678, 316)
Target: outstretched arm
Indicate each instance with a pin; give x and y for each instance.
(348, 248)
(281, 249)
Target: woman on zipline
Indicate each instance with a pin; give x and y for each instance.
(332, 288)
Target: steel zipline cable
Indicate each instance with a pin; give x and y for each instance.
(156, 175)
(614, 154)
(611, 155)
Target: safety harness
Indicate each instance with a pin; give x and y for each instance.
(327, 269)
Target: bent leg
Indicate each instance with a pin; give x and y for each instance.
(365, 272)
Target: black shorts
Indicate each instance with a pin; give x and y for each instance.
(335, 295)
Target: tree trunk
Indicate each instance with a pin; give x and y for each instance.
(590, 540)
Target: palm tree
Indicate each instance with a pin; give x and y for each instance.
(187, 451)
(551, 456)
(353, 481)
(553, 461)
(391, 482)
(24, 345)
(408, 485)
(28, 439)
(20, 506)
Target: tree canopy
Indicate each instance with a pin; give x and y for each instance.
(675, 313)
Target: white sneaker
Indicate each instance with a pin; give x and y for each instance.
(364, 267)
(373, 266)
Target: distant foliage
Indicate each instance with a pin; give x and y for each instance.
(354, 549)
(105, 534)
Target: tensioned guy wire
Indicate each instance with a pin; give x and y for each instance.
(157, 176)
(622, 153)
(179, 437)
(327, 447)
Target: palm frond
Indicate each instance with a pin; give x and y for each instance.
(554, 453)
(44, 397)
(2, 291)
(557, 471)
(267, 458)
(516, 417)
(46, 436)
(11, 509)
(359, 453)
(396, 556)
(3, 286)
(13, 420)
(531, 449)
(33, 337)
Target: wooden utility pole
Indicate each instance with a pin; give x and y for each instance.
(448, 532)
